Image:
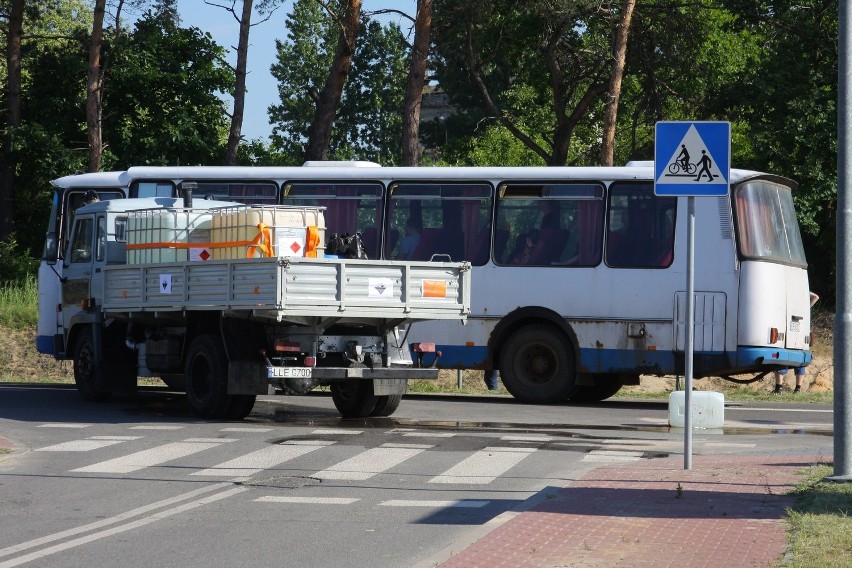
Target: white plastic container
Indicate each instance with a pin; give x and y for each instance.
(239, 228)
(708, 409)
(167, 235)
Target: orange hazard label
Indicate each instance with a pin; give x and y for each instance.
(434, 288)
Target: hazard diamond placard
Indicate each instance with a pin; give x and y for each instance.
(692, 158)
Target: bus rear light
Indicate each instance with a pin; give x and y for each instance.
(310, 361)
(288, 346)
(776, 355)
(773, 335)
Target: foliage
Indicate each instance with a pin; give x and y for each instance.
(368, 124)
(161, 104)
(15, 264)
(19, 303)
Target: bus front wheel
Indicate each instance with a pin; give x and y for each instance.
(537, 365)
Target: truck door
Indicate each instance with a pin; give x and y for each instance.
(79, 259)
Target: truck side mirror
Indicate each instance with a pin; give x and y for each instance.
(51, 248)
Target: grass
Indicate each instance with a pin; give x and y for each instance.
(19, 304)
(820, 526)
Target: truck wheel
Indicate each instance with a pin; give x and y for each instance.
(88, 374)
(386, 404)
(605, 386)
(354, 399)
(537, 365)
(206, 377)
(240, 407)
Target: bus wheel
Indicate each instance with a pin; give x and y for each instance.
(206, 377)
(605, 386)
(537, 365)
(88, 374)
(354, 398)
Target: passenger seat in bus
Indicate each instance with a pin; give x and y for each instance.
(551, 243)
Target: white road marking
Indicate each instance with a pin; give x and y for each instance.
(63, 425)
(122, 528)
(148, 458)
(80, 445)
(527, 438)
(245, 429)
(156, 427)
(111, 520)
(430, 434)
(332, 431)
(307, 500)
(612, 456)
(255, 462)
(484, 466)
(371, 462)
(434, 504)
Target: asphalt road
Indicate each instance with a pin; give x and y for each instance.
(140, 482)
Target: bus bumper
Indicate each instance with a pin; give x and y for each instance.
(772, 357)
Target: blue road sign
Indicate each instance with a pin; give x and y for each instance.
(692, 158)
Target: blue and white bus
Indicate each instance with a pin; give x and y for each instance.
(579, 273)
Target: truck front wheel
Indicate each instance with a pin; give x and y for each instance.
(354, 398)
(88, 374)
(207, 377)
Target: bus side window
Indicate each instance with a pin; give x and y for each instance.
(637, 236)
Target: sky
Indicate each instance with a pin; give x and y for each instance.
(261, 87)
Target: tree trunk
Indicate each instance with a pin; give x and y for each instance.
(319, 134)
(614, 91)
(94, 88)
(416, 81)
(240, 87)
(13, 118)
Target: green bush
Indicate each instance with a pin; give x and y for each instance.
(15, 264)
(19, 303)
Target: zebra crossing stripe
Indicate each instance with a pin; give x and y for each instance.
(613, 456)
(93, 443)
(371, 462)
(63, 425)
(484, 466)
(147, 458)
(461, 503)
(308, 500)
(255, 462)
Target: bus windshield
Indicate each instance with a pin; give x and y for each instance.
(766, 223)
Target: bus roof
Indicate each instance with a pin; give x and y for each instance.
(356, 171)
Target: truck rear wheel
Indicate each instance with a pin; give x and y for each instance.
(240, 407)
(88, 372)
(354, 398)
(207, 377)
(537, 365)
(386, 405)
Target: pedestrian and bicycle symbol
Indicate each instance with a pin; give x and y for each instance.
(692, 158)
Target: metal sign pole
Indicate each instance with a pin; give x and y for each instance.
(690, 320)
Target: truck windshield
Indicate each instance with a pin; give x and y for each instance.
(766, 223)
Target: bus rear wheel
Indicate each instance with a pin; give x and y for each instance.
(605, 386)
(537, 365)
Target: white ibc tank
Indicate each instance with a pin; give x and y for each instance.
(255, 232)
(167, 235)
(708, 409)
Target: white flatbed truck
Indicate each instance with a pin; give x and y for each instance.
(227, 330)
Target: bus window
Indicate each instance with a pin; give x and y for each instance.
(350, 208)
(766, 223)
(549, 224)
(153, 189)
(247, 193)
(452, 219)
(640, 227)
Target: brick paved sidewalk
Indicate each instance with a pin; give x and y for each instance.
(725, 511)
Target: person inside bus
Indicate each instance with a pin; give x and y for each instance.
(411, 240)
(549, 214)
(523, 254)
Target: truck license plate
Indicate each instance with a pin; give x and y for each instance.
(288, 372)
(794, 325)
